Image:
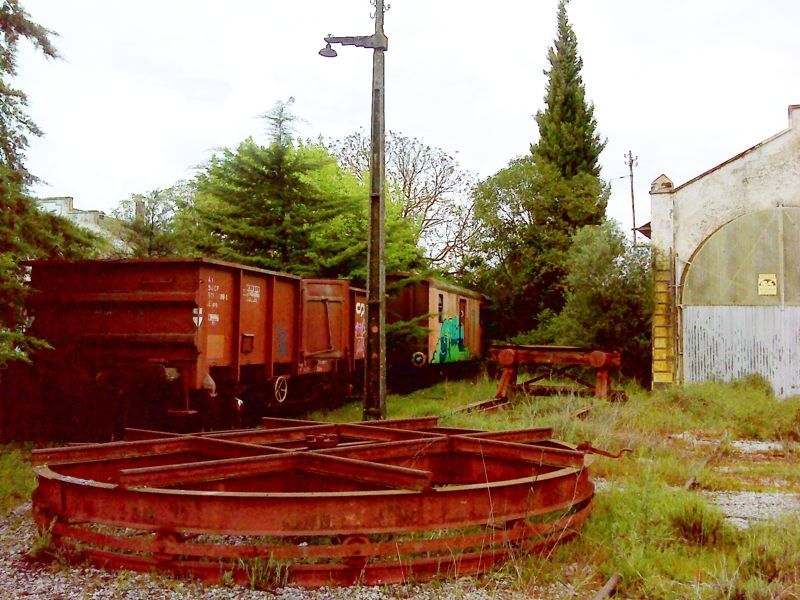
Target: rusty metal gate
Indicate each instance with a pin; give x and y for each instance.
(314, 504)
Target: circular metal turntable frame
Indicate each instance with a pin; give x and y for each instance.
(313, 504)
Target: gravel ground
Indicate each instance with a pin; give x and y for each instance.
(743, 509)
(21, 577)
(744, 447)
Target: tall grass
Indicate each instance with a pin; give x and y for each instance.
(16, 477)
(665, 541)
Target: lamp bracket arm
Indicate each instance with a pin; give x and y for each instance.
(376, 41)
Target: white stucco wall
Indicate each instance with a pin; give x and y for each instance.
(93, 220)
(764, 176)
(695, 347)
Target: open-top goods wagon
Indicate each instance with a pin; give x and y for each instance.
(182, 343)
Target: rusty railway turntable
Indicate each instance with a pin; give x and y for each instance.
(313, 504)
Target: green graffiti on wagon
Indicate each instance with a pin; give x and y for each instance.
(451, 346)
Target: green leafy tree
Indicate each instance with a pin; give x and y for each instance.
(568, 136)
(263, 205)
(528, 214)
(609, 299)
(159, 223)
(338, 246)
(147, 224)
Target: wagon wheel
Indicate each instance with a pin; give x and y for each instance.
(280, 389)
(357, 560)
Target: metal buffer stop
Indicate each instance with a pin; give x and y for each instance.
(315, 504)
(543, 362)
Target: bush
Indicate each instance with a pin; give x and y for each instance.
(609, 300)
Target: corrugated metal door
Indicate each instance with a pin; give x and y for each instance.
(741, 302)
(727, 342)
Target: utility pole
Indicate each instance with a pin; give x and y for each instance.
(375, 376)
(631, 161)
(375, 392)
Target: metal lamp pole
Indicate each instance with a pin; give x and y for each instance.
(375, 376)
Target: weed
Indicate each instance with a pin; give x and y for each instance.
(697, 523)
(265, 574)
(42, 546)
(756, 383)
(772, 551)
(228, 579)
(16, 476)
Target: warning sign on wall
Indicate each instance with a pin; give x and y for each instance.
(767, 284)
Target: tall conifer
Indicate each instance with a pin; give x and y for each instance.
(568, 137)
(530, 210)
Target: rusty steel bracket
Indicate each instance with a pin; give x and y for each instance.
(587, 447)
(322, 440)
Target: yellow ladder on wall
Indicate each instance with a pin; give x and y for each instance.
(664, 321)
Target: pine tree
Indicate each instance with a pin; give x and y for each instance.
(290, 207)
(15, 124)
(568, 136)
(25, 232)
(259, 207)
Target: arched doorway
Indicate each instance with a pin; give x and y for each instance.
(740, 302)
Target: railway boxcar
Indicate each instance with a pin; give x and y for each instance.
(436, 329)
(186, 343)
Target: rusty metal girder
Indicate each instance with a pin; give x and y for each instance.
(312, 504)
(557, 359)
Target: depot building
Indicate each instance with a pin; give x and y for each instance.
(727, 268)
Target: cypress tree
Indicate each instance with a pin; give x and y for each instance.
(530, 210)
(568, 139)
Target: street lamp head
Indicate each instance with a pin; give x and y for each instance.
(328, 52)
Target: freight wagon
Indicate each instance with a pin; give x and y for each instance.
(434, 329)
(181, 344)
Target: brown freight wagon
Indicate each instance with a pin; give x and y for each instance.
(188, 343)
(436, 330)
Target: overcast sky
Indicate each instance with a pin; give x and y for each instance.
(147, 90)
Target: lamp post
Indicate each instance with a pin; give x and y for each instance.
(375, 376)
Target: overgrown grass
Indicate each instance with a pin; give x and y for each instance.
(670, 543)
(16, 477)
(665, 541)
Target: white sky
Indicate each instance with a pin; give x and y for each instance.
(148, 89)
